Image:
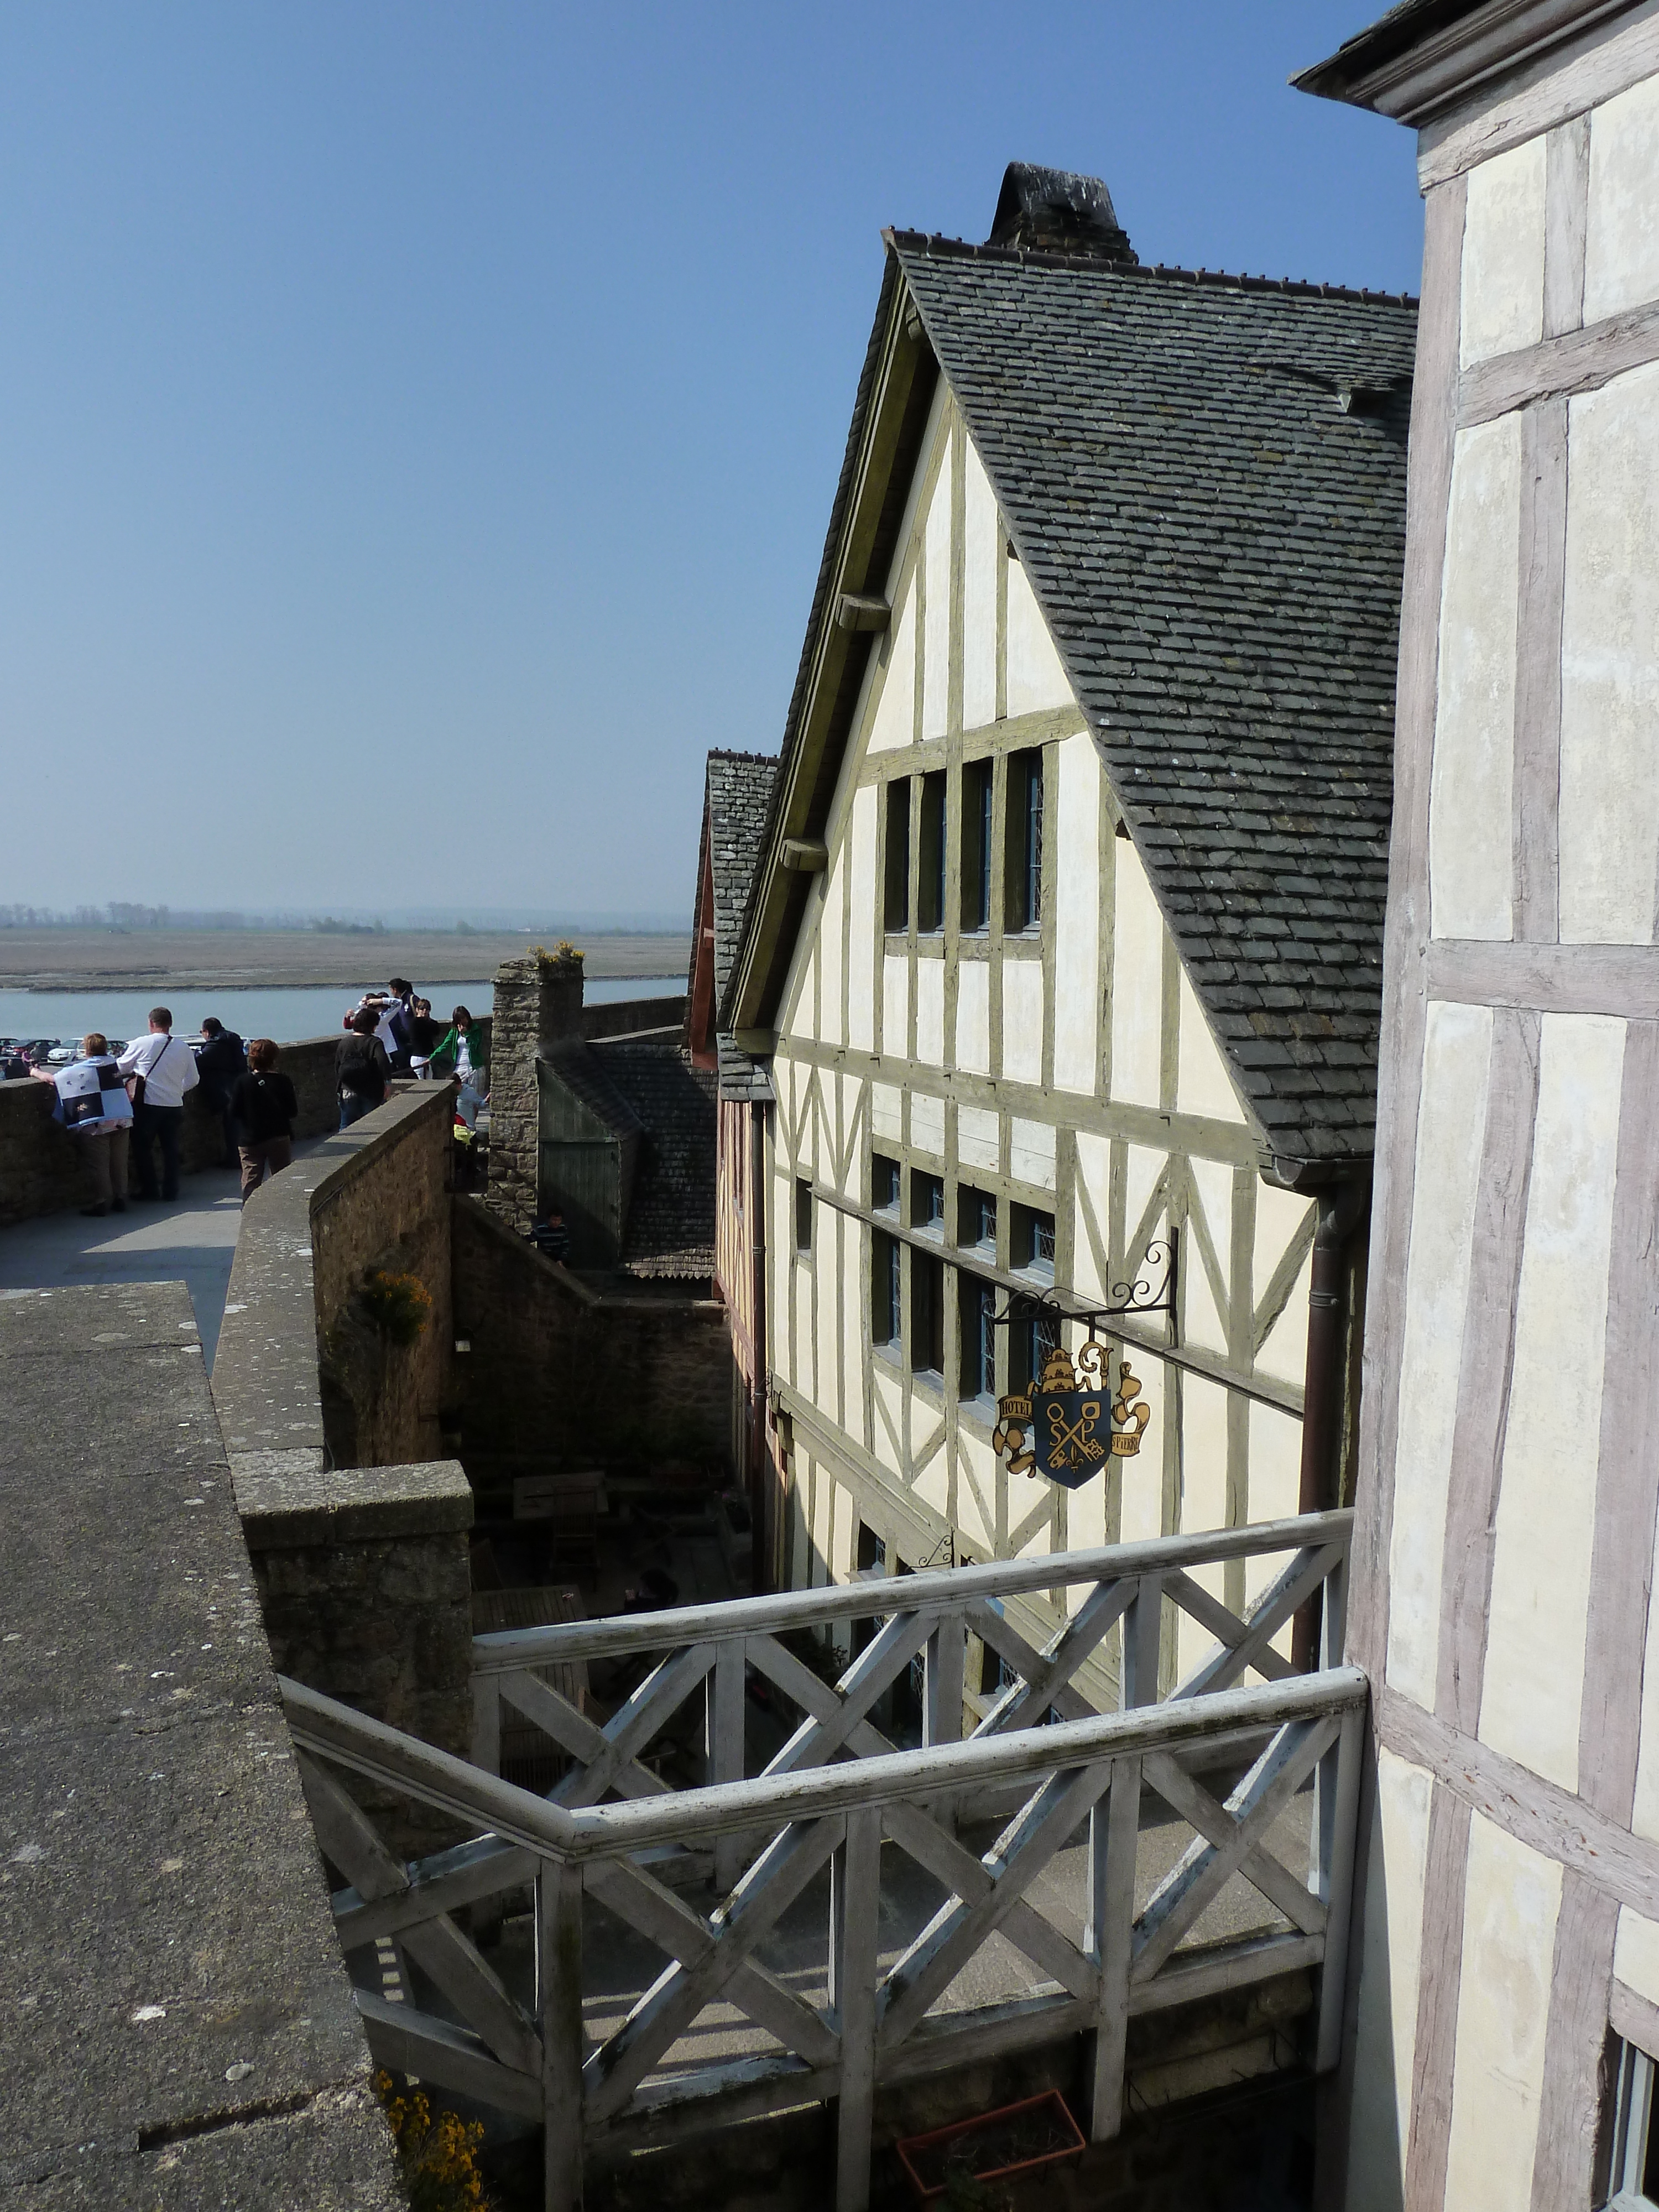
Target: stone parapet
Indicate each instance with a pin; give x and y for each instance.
(538, 1001)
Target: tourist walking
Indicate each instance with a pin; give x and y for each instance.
(362, 1074)
(219, 1065)
(94, 1107)
(459, 1053)
(160, 1070)
(262, 1111)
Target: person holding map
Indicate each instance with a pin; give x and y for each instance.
(93, 1105)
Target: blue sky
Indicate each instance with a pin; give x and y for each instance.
(418, 424)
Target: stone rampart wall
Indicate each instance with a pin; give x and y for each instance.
(357, 1529)
(559, 1372)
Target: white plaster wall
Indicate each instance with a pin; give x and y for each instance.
(1470, 835)
(1645, 1818)
(982, 544)
(1636, 1955)
(1283, 1352)
(861, 916)
(1137, 983)
(1031, 1152)
(936, 667)
(1503, 254)
(928, 1122)
(978, 1132)
(821, 1274)
(1212, 1183)
(1392, 1940)
(888, 1394)
(830, 950)
(972, 1040)
(1022, 1020)
(1609, 805)
(895, 722)
(1274, 1485)
(1077, 918)
(1035, 678)
(886, 1112)
(1142, 1476)
(976, 1494)
(896, 1004)
(1450, 1127)
(1511, 1899)
(1142, 1172)
(1621, 244)
(851, 1108)
(1535, 1671)
(930, 1012)
(1203, 1085)
(1203, 1498)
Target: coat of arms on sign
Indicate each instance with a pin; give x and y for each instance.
(1072, 1421)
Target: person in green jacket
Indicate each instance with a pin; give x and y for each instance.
(459, 1052)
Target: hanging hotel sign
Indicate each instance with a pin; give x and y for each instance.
(1072, 1420)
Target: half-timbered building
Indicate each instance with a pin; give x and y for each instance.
(1506, 2038)
(737, 796)
(1063, 954)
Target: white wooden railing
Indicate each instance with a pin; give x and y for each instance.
(831, 1797)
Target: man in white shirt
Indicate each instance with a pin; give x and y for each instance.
(168, 1068)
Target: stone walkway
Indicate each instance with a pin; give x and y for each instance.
(190, 1240)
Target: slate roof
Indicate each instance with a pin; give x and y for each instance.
(1205, 480)
(739, 798)
(670, 1230)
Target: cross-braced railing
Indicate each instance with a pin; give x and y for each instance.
(1120, 1596)
(1090, 1785)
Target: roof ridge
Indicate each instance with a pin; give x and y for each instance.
(934, 243)
(758, 760)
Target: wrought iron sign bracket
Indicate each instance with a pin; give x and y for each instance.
(1071, 1421)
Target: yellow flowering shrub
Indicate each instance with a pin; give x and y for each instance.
(438, 2154)
(398, 1306)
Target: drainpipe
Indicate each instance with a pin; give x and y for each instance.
(1342, 1207)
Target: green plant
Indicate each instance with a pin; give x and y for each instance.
(439, 2155)
(564, 950)
(398, 1306)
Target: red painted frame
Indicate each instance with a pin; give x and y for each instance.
(1049, 2098)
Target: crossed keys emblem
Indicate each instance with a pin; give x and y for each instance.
(1053, 1430)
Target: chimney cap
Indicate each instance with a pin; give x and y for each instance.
(1058, 209)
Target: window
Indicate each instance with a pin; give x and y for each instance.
(976, 1220)
(1031, 1242)
(1633, 2181)
(926, 1314)
(977, 845)
(1023, 904)
(930, 881)
(885, 1296)
(898, 908)
(1029, 1343)
(803, 1214)
(979, 1337)
(884, 1184)
(926, 1201)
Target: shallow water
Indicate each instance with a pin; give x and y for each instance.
(287, 1016)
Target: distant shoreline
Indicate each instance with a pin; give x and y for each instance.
(56, 960)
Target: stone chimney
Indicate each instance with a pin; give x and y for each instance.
(538, 1002)
(1056, 211)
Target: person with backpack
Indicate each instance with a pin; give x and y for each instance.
(262, 1110)
(362, 1074)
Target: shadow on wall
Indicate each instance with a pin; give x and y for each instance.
(561, 1373)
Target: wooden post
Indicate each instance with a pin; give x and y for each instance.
(941, 1719)
(1336, 1812)
(1114, 1836)
(725, 1746)
(486, 1722)
(559, 2006)
(1142, 1623)
(854, 1920)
